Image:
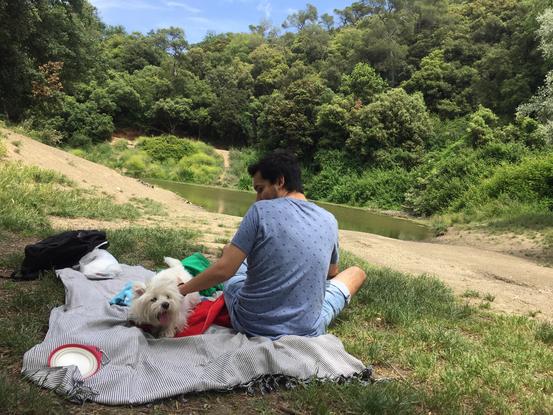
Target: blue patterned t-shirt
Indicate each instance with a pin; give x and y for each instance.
(290, 244)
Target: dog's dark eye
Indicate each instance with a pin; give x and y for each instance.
(153, 300)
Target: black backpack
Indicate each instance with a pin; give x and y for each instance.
(58, 251)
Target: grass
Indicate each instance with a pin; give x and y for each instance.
(3, 149)
(29, 195)
(149, 206)
(446, 357)
(453, 358)
(136, 245)
(471, 294)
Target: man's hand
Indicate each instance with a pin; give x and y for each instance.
(220, 271)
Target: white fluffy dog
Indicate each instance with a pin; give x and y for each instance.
(159, 304)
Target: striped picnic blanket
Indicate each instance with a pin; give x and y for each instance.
(138, 368)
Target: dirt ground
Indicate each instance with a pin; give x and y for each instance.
(502, 265)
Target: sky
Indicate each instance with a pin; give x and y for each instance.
(199, 17)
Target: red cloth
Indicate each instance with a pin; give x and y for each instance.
(204, 315)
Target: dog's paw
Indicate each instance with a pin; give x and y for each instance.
(168, 332)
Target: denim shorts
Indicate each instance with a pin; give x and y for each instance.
(337, 296)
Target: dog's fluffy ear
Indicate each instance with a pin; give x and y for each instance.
(172, 262)
(138, 289)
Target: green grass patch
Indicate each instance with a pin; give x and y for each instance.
(453, 358)
(471, 294)
(445, 356)
(26, 307)
(149, 206)
(29, 195)
(3, 149)
(142, 246)
(20, 397)
(544, 332)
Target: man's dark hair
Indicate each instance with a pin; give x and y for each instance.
(276, 164)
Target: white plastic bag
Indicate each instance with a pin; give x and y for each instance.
(99, 264)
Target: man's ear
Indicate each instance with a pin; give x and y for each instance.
(138, 289)
(280, 182)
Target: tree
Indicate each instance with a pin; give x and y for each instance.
(327, 21)
(135, 51)
(269, 68)
(264, 28)
(233, 88)
(172, 41)
(302, 18)
(446, 87)
(394, 120)
(480, 130)
(498, 39)
(172, 113)
(363, 83)
(34, 33)
(311, 44)
(200, 119)
(332, 123)
(288, 118)
(540, 106)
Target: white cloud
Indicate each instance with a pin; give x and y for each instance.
(198, 19)
(265, 7)
(127, 5)
(184, 6)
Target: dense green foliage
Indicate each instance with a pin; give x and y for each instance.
(162, 157)
(419, 102)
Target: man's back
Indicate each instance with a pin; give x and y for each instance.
(290, 244)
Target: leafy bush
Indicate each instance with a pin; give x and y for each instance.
(155, 157)
(198, 168)
(394, 120)
(84, 120)
(521, 189)
(237, 174)
(136, 163)
(342, 180)
(165, 147)
(446, 174)
(384, 189)
(335, 167)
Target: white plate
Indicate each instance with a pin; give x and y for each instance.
(82, 357)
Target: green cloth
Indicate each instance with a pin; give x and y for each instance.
(197, 263)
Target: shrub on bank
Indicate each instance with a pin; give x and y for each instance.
(237, 174)
(383, 189)
(521, 192)
(164, 157)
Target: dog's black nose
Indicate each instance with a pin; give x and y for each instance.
(165, 305)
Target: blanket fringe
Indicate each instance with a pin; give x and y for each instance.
(54, 379)
(271, 383)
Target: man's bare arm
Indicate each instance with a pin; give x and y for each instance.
(220, 271)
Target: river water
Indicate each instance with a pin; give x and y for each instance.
(236, 203)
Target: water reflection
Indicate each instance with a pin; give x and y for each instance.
(236, 203)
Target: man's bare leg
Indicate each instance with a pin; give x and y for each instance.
(353, 278)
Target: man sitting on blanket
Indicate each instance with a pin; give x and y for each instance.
(290, 283)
